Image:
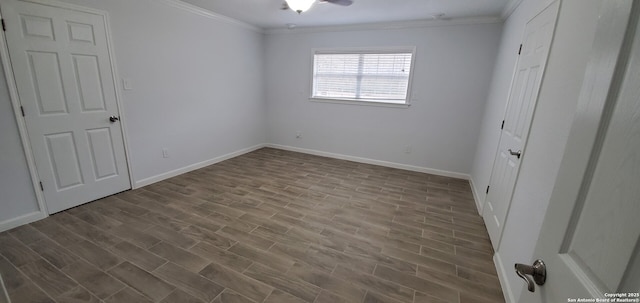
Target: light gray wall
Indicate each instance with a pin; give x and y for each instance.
(198, 90)
(17, 197)
(557, 101)
(452, 72)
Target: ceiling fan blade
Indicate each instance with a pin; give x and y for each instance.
(339, 2)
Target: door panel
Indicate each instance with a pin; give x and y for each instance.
(87, 72)
(518, 117)
(527, 103)
(102, 152)
(591, 232)
(64, 160)
(37, 27)
(45, 73)
(79, 32)
(65, 83)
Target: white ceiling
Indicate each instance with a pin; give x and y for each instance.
(267, 13)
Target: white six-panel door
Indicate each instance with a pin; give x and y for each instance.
(64, 76)
(520, 108)
(590, 239)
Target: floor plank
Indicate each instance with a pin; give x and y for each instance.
(142, 281)
(236, 281)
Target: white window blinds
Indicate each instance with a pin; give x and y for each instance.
(362, 76)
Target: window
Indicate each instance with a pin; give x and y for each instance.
(381, 76)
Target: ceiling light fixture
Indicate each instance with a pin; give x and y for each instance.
(300, 5)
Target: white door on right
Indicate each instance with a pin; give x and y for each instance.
(522, 101)
(590, 240)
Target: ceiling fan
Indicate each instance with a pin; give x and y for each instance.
(303, 5)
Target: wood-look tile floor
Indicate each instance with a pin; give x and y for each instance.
(270, 226)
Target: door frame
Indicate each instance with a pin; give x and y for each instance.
(512, 8)
(546, 4)
(481, 206)
(22, 126)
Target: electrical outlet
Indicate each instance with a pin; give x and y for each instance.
(165, 153)
(298, 135)
(407, 150)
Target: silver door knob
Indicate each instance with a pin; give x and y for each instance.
(517, 154)
(538, 271)
(113, 119)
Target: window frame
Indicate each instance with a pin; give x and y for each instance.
(364, 50)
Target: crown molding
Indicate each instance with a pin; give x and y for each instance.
(509, 8)
(209, 14)
(384, 25)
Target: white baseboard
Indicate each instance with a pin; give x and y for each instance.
(186, 169)
(372, 161)
(22, 220)
(502, 276)
(476, 196)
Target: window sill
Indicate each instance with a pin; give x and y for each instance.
(362, 103)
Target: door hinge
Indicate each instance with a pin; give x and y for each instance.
(41, 186)
(520, 49)
(4, 26)
(488, 189)
(502, 127)
(22, 110)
